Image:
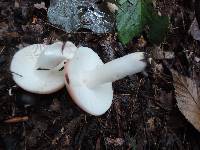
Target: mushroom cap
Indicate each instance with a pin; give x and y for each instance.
(95, 101)
(26, 75)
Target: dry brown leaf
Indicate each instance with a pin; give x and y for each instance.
(188, 98)
(151, 123)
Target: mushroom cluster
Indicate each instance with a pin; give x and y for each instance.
(38, 69)
(35, 68)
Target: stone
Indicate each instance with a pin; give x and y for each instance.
(73, 15)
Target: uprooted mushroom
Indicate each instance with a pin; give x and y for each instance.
(38, 69)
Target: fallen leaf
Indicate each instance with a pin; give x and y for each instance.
(194, 30)
(158, 53)
(115, 142)
(169, 54)
(197, 10)
(151, 123)
(40, 6)
(188, 98)
(197, 59)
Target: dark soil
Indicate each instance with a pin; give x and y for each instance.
(144, 114)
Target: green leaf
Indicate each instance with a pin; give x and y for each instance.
(134, 15)
(158, 28)
(121, 1)
(130, 20)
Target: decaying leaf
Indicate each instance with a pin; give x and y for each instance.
(194, 30)
(159, 53)
(188, 98)
(115, 142)
(40, 6)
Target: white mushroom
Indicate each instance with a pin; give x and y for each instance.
(89, 81)
(33, 67)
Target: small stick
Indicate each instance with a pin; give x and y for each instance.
(16, 119)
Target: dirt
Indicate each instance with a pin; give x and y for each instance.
(144, 114)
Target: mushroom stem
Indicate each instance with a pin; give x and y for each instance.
(115, 70)
(50, 57)
(54, 55)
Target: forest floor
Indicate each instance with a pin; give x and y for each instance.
(144, 113)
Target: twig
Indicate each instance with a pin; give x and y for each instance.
(2, 50)
(16, 119)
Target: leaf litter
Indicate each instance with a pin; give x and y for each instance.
(188, 98)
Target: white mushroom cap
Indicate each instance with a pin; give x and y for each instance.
(26, 75)
(89, 80)
(95, 101)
